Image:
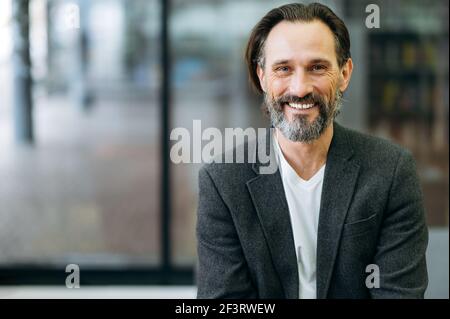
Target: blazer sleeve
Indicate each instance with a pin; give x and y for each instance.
(222, 269)
(403, 237)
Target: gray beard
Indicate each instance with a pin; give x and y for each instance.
(300, 129)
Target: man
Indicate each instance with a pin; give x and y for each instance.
(342, 216)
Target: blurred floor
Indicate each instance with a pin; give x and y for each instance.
(154, 292)
(88, 191)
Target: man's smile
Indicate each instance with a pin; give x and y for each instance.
(300, 108)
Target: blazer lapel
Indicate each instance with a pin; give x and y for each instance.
(340, 178)
(267, 193)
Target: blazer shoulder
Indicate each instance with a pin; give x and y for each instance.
(372, 148)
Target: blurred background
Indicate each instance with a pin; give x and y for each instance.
(90, 89)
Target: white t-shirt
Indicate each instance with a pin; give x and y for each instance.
(303, 198)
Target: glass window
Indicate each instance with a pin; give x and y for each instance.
(87, 192)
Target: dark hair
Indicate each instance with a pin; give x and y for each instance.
(294, 12)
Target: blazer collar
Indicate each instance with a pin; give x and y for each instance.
(268, 196)
(340, 178)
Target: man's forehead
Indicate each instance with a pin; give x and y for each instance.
(304, 40)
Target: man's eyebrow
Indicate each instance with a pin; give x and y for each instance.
(280, 62)
(313, 61)
(320, 60)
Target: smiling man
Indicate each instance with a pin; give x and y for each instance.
(342, 216)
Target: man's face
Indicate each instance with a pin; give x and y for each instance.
(301, 79)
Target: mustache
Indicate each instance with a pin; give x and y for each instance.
(311, 98)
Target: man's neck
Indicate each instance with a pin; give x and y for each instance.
(306, 158)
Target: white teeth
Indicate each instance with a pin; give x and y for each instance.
(301, 106)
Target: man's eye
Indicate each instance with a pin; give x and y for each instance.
(318, 67)
(282, 69)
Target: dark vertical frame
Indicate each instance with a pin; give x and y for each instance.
(165, 137)
(22, 88)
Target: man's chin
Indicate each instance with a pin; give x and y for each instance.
(292, 114)
(302, 130)
(304, 118)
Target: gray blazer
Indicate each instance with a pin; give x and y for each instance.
(371, 213)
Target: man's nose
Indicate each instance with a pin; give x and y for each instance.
(300, 84)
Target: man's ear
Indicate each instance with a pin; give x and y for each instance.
(346, 74)
(261, 77)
